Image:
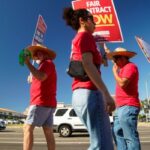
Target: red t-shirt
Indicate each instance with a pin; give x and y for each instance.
(129, 94)
(43, 93)
(84, 42)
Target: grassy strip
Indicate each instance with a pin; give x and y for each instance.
(14, 125)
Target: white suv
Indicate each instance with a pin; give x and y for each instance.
(66, 122)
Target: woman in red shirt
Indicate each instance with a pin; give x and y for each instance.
(91, 99)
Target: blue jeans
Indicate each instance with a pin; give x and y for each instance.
(125, 131)
(89, 107)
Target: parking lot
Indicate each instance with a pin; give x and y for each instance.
(11, 139)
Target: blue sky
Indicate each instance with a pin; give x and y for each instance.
(17, 24)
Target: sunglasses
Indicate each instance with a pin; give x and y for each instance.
(116, 57)
(91, 18)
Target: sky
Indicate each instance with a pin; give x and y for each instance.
(17, 25)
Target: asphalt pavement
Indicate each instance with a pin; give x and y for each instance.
(11, 139)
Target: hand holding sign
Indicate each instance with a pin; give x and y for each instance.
(22, 56)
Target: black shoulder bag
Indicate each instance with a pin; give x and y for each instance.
(76, 70)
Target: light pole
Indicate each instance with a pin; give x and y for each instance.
(148, 100)
(146, 86)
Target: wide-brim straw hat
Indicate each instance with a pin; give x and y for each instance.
(120, 52)
(34, 48)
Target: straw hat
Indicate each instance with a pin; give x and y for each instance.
(120, 52)
(34, 48)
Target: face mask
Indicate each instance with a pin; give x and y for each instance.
(38, 61)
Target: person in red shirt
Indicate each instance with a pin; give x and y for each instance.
(91, 99)
(42, 95)
(127, 100)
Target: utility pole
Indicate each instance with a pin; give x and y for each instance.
(148, 101)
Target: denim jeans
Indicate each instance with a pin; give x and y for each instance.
(125, 131)
(89, 106)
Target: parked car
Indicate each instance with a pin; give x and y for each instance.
(9, 121)
(2, 125)
(66, 121)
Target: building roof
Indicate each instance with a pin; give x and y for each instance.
(10, 111)
(7, 110)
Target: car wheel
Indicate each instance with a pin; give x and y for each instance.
(65, 130)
